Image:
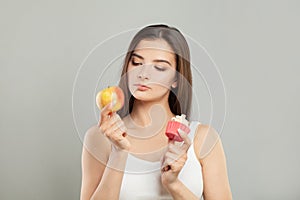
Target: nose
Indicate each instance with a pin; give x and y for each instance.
(144, 74)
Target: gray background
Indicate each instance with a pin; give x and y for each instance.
(254, 44)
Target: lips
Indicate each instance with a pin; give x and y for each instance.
(142, 87)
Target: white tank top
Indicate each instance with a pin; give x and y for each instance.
(141, 180)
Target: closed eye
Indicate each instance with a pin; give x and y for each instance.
(159, 68)
(135, 63)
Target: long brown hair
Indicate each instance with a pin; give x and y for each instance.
(180, 98)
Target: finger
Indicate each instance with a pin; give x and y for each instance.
(163, 163)
(119, 140)
(167, 163)
(182, 158)
(178, 144)
(116, 136)
(107, 125)
(171, 141)
(105, 113)
(169, 160)
(115, 119)
(176, 166)
(187, 142)
(119, 125)
(112, 130)
(107, 132)
(172, 156)
(175, 149)
(166, 168)
(117, 133)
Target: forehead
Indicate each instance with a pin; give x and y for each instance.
(154, 49)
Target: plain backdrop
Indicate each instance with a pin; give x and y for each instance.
(254, 43)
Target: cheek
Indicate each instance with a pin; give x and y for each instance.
(165, 79)
(132, 78)
(131, 75)
(159, 90)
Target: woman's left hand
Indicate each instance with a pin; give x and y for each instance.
(174, 159)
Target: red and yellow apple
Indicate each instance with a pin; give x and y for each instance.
(112, 94)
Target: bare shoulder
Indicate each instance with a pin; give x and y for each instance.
(205, 141)
(96, 143)
(95, 153)
(211, 156)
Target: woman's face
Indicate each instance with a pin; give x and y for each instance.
(152, 70)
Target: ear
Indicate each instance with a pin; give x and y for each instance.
(174, 85)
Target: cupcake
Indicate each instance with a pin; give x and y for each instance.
(176, 123)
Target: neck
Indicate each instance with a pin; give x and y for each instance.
(146, 112)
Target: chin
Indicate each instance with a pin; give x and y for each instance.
(142, 97)
(148, 97)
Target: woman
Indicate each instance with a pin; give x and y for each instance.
(156, 80)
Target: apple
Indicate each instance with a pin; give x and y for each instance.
(112, 94)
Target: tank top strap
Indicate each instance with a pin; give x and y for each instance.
(193, 127)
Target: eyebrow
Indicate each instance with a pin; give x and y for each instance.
(156, 60)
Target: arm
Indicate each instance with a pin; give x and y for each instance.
(180, 192)
(96, 155)
(110, 184)
(174, 160)
(215, 179)
(92, 171)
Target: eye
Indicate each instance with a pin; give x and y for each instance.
(135, 63)
(159, 68)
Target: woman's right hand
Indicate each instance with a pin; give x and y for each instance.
(112, 126)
